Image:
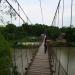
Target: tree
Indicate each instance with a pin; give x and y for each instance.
(10, 31)
(53, 32)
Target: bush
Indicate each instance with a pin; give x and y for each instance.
(5, 57)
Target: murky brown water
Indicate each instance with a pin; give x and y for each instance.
(67, 58)
(22, 57)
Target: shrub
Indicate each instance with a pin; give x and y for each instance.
(5, 57)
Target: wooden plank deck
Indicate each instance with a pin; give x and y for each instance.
(40, 65)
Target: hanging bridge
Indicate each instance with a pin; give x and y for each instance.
(37, 62)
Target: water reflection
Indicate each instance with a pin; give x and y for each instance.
(66, 55)
(22, 57)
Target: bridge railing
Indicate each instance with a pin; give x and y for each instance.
(56, 68)
(22, 58)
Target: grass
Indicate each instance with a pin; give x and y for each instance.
(60, 43)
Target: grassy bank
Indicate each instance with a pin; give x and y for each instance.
(60, 43)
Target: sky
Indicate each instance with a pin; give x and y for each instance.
(33, 11)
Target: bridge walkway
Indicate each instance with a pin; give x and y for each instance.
(40, 65)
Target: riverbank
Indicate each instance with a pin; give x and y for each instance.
(60, 43)
(27, 44)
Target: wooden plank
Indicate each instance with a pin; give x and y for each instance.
(40, 65)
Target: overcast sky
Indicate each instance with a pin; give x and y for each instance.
(32, 8)
(33, 11)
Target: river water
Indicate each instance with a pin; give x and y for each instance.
(66, 55)
(22, 57)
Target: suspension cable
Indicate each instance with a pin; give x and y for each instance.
(69, 48)
(58, 15)
(24, 12)
(14, 58)
(41, 11)
(59, 62)
(19, 14)
(56, 11)
(71, 12)
(21, 49)
(55, 20)
(62, 13)
(68, 60)
(15, 10)
(22, 60)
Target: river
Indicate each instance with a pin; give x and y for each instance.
(66, 55)
(22, 57)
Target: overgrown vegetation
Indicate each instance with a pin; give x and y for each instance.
(22, 33)
(5, 57)
(13, 34)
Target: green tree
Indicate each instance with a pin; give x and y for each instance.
(10, 31)
(53, 32)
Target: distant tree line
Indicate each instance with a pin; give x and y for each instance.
(13, 32)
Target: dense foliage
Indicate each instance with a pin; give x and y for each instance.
(27, 32)
(13, 32)
(5, 57)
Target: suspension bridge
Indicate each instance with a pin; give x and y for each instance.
(38, 63)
